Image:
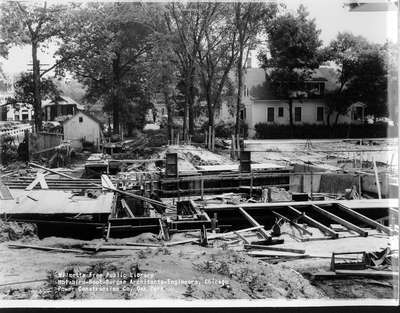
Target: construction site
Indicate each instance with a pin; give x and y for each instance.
(293, 219)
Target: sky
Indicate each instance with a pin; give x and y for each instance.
(331, 16)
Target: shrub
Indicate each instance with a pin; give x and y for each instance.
(226, 130)
(313, 131)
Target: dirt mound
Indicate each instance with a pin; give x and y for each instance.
(16, 231)
(259, 280)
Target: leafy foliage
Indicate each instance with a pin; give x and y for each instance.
(104, 49)
(362, 75)
(24, 89)
(293, 52)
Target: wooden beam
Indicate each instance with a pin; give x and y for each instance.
(145, 199)
(368, 273)
(44, 248)
(127, 209)
(273, 248)
(340, 220)
(322, 227)
(364, 219)
(254, 223)
(292, 223)
(242, 237)
(215, 236)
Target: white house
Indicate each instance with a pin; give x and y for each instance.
(262, 106)
(82, 127)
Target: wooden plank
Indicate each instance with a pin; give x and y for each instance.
(215, 236)
(364, 219)
(274, 254)
(142, 244)
(315, 223)
(113, 247)
(364, 203)
(242, 237)
(106, 181)
(127, 209)
(33, 183)
(273, 248)
(42, 181)
(5, 193)
(292, 223)
(340, 220)
(44, 248)
(368, 273)
(254, 223)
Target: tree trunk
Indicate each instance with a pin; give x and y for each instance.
(185, 118)
(37, 107)
(291, 116)
(210, 108)
(191, 113)
(328, 118)
(240, 91)
(337, 118)
(115, 95)
(169, 114)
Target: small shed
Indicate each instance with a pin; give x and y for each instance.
(82, 128)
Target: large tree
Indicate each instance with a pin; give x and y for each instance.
(186, 25)
(104, 48)
(216, 53)
(248, 20)
(293, 53)
(362, 75)
(34, 25)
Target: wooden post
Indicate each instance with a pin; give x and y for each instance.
(108, 231)
(238, 146)
(202, 188)
(378, 186)
(233, 152)
(214, 222)
(251, 184)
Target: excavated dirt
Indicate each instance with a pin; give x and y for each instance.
(179, 272)
(13, 231)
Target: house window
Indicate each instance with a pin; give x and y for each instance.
(80, 119)
(358, 113)
(320, 114)
(280, 112)
(243, 114)
(270, 114)
(297, 114)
